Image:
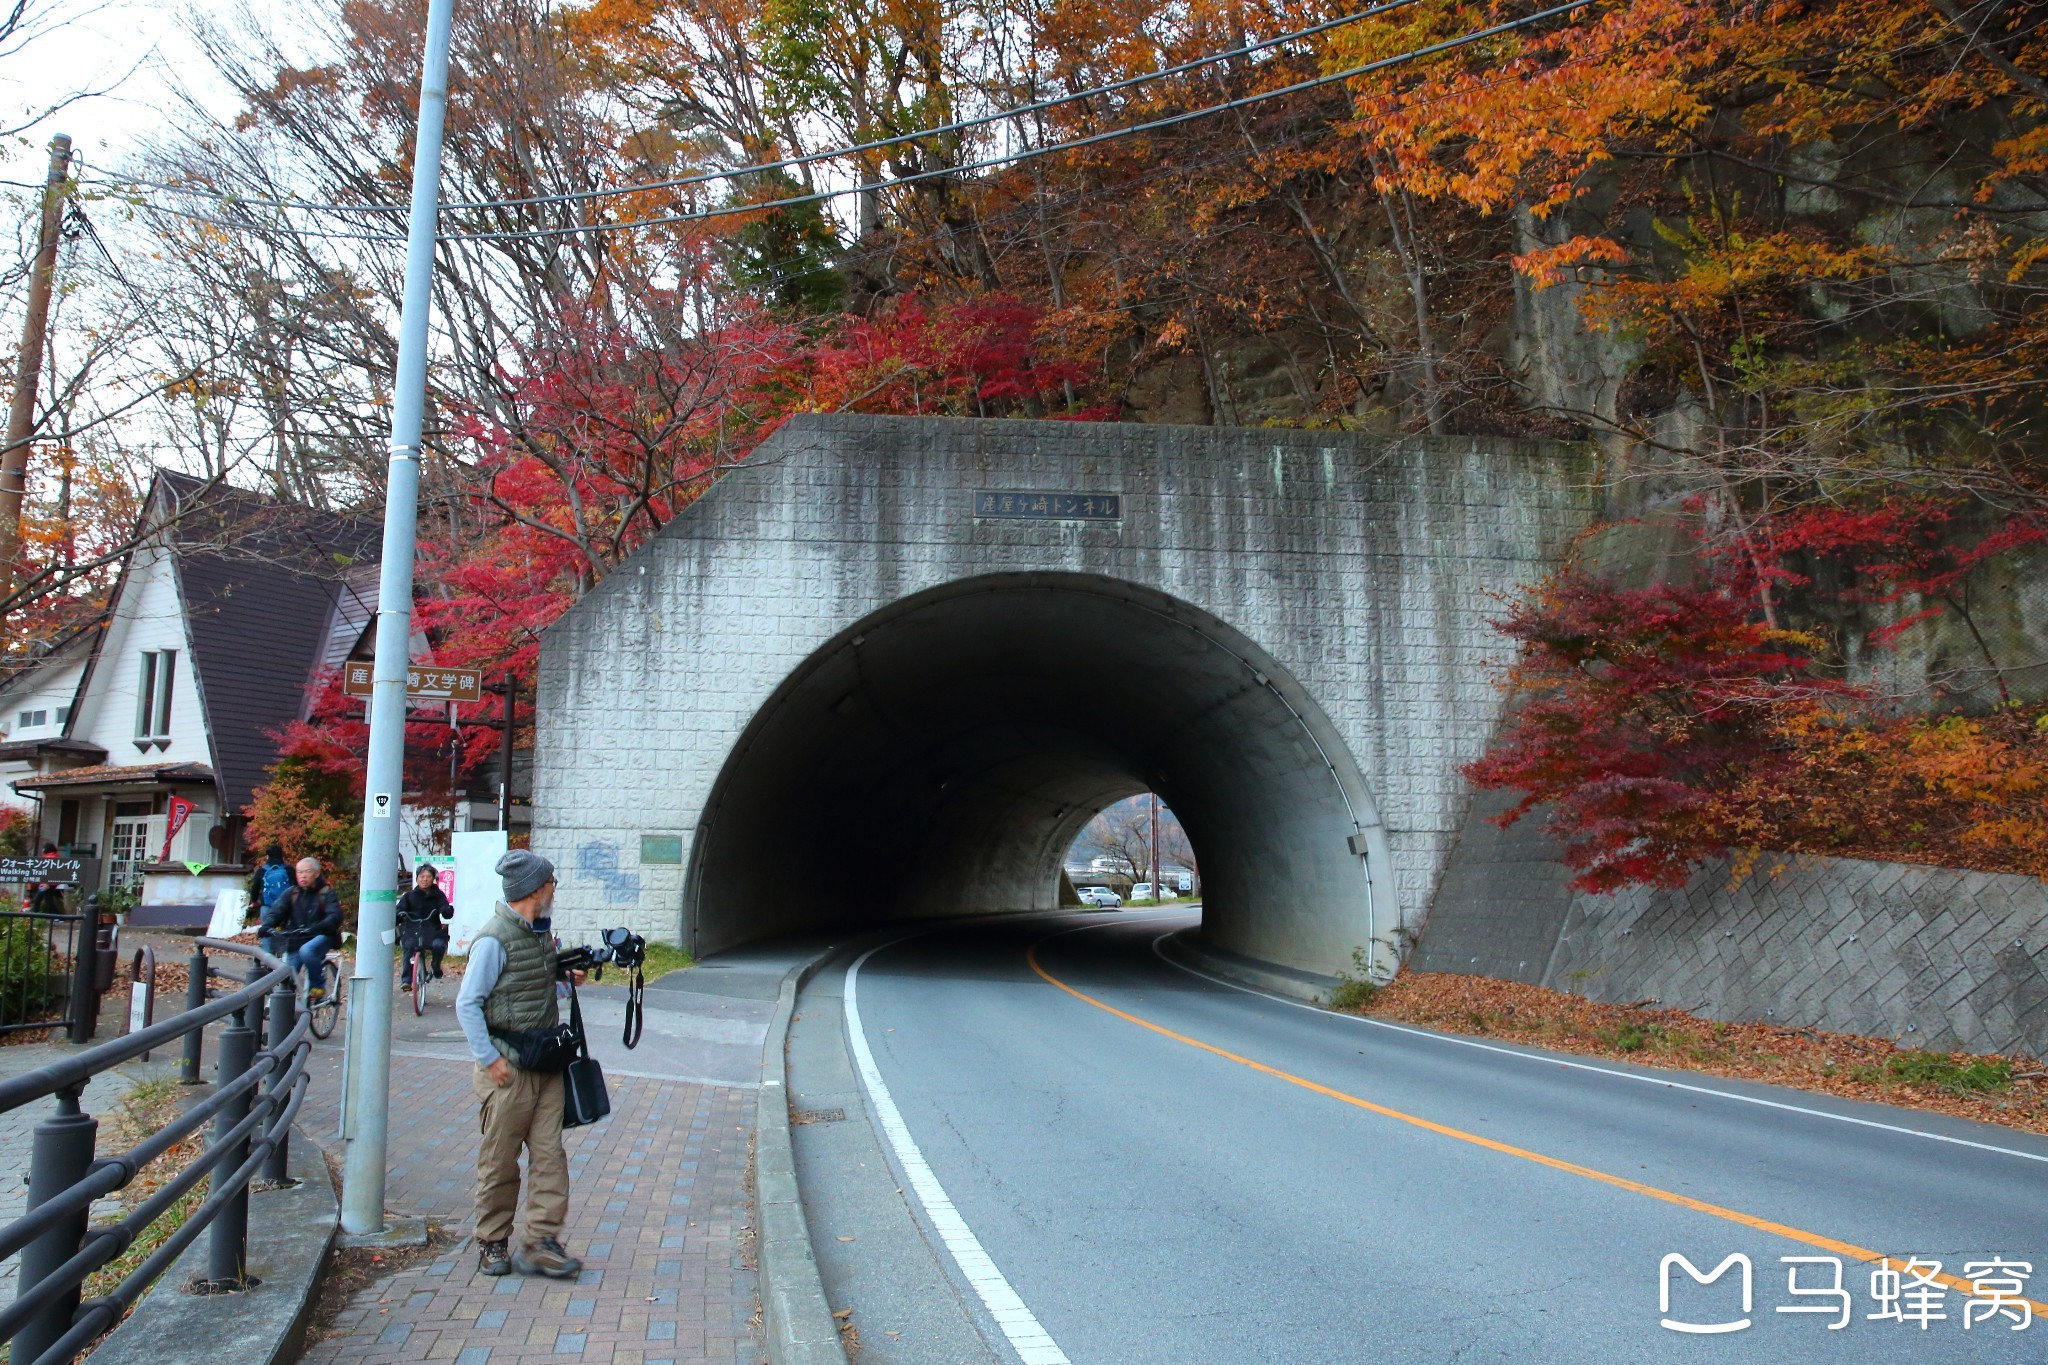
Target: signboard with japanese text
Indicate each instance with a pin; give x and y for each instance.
(54, 871)
(422, 683)
(1035, 505)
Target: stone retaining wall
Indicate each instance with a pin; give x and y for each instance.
(1933, 957)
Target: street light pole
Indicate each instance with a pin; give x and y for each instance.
(362, 1189)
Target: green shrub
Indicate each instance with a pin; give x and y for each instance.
(27, 990)
(1354, 993)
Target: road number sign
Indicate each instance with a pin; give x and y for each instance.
(421, 683)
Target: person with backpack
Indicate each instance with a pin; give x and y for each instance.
(267, 886)
(423, 915)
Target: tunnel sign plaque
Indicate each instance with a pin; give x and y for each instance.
(1039, 505)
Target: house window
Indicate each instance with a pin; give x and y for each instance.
(153, 693)
(31, 719)
(63, 715)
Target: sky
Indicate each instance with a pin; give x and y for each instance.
(135, 51)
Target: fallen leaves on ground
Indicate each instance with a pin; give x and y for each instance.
(2012, 1091)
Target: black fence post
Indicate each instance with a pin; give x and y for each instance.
(85, 972)
(258, 1008)
(60, 1158)
(195, 996)
(227, 1253)
(283, 1015)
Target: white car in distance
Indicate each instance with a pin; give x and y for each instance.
(1101, 897)
(1143, 892)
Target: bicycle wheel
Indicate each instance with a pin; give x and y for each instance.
(417, 966)
(321, 1018)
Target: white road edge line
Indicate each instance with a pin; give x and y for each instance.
(1583, 1066)
(1030, 1340)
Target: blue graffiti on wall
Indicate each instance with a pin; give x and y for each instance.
(598, 861)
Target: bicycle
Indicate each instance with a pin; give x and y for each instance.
(415, 968)
(323, 1015)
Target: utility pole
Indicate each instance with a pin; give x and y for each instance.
(1154, 843)
(509, 690)
(369, 1038)
(28, 361)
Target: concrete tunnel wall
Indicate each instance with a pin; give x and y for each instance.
(845, 697)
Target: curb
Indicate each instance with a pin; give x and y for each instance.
(795, 1316)
(290, 1234)
(1306, 987)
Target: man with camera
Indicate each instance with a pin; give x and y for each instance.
(509, 1015)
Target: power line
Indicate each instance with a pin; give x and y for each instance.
(844, 259)
(988, 163)
(830, 154)
(1029, 153)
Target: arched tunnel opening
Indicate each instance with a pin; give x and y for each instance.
(940, 757)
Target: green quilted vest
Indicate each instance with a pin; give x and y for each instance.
(524, 997)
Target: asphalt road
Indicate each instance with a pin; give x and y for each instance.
(1106, 1158)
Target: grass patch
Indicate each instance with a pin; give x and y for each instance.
(147, 1108)
(1991, 1089)
(1938, 1070)
(663, 958)
(1355, 992)
(1353, 995)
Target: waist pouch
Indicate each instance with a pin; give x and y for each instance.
(539, 1049)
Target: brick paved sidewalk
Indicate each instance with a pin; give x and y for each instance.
(659, 1212)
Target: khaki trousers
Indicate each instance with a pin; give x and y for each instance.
(527, 1113)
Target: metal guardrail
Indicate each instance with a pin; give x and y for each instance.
(256, 1096)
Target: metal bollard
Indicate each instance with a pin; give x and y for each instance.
(227, 1253)
(195, 996)
(284, 1013)
(62, 1155)
(259, 1010)
(85, 970)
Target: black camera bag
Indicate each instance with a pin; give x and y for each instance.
(584, 1097)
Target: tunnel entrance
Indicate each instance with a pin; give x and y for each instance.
(940, 757)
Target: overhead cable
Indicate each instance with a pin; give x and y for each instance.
(829, 154)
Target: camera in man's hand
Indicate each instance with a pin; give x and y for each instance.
(620, 946)
(627, 948)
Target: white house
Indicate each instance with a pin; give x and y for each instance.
(35, 709)
(218, 624)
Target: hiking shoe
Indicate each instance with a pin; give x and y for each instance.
(492, 1259)
(405, 987)
(437, 973)
(546, 1257)
(316, 995)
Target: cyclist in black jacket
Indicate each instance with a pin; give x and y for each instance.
(307, 922)
(423, 915)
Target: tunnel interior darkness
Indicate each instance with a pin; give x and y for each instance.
(940, 757)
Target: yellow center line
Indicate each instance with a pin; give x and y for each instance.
(1812, 1239)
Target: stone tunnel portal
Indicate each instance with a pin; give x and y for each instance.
(939, 757)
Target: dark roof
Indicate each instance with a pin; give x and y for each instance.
(55, 744)
(260, 580)
(114, 775)
(20, 668)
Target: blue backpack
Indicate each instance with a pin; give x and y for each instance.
(277, 879)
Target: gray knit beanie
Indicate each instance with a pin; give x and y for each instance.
(525, 872)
